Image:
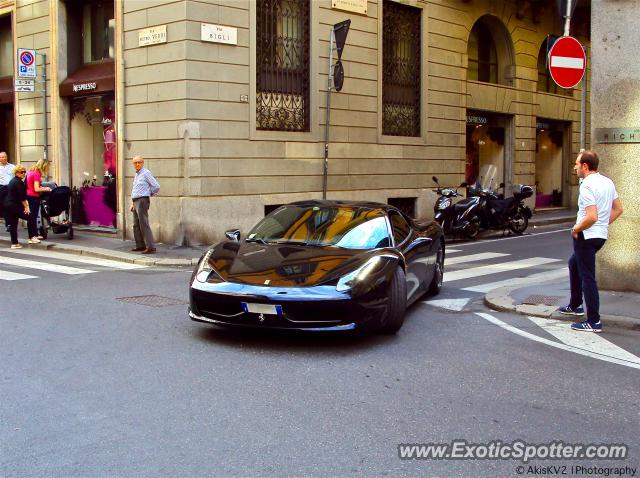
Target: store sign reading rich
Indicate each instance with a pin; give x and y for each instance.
(354, 6)
(617, 135)
(219, 34)
(152, 36)
(84, 86)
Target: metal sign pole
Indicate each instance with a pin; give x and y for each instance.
(567, 19)
(328, 116)
(44, 104)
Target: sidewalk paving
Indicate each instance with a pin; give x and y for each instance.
(114, 248)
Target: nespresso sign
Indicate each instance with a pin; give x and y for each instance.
(84, 87)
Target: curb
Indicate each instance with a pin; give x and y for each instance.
(108, 254)
(549, 222)
(501, 301)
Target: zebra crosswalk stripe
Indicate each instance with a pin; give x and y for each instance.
(43, 266)
(521, 281)
(8, 275)
(94, 261)
(473, 258)
(496, 268)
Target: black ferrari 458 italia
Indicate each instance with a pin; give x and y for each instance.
(319, 266)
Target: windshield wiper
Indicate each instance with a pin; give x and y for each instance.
(256, 239)
(303, 243)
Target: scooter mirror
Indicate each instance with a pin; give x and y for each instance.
(463, 184)
(435, 179)
(501, 185)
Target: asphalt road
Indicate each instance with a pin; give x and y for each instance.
(96, 386)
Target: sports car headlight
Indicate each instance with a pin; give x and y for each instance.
(444, 204)
(204, 270)
(347, 281)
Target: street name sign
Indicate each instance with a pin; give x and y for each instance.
(567, 62)
(26, 63)
(25, 85)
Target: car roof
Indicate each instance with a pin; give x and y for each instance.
(343, 203)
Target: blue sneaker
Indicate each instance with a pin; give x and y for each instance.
(568, 310)
(587, 326)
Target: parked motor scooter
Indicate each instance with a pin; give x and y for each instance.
(493, 211)
(452, 217)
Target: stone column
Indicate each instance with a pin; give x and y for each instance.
(615, 103)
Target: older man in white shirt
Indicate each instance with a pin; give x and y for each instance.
(6, 174)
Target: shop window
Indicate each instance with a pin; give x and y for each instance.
(282, 65)
(92, 25)
(545, 82)
(401, 71)
(6, 47)
(93, 151)
(405, 205)
(483, 56)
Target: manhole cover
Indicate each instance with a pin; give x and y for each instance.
(152, 300)
(543, 299)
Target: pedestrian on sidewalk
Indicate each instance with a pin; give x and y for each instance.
(7, 171)
(598, 206)
(34, 188)
(15, 204)
(144, 186)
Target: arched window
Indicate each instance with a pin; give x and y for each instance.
(483, 56)
(545, 82)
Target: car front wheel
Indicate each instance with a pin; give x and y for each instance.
(438, 272)
(393, 317)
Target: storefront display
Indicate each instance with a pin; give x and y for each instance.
(94, 160)
(549, 161)
(485, 146)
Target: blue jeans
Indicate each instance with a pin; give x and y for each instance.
(582, 276)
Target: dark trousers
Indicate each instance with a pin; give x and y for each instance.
(582, 276)
(32, 222)
(11, 218)
(141, 228)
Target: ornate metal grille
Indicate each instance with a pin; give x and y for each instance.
(282, 65)
(401, 70)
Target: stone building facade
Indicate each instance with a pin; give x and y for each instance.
(233, 128)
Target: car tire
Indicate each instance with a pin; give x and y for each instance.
(438, 272)
(393, 317)
(70, 233)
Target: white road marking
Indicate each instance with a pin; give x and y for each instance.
(7, 275)
(496, 268)
(588, 341)
(557, 345)
(451, 304)
(567, 62)
(451, 251)
(95, 261)
(519, 281)
(524, 236)
(473, 258)
(43, 266)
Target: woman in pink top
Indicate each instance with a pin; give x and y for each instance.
(34, 188)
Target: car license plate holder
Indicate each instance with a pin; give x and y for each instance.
(267, 309)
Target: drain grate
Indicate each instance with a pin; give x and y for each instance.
(152, 300)
(543, 299)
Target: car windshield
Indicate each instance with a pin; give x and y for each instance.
(338, 226)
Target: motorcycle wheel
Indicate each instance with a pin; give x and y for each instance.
(519, 222)
(472, 231)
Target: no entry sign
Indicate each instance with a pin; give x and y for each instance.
(567, 62)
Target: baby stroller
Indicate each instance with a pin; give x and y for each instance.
(54, 211)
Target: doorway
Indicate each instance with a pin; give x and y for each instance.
(551, 137)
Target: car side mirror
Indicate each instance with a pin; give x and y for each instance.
(233, 235)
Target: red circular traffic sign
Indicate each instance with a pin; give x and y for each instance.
(567, 62)
(26, 58)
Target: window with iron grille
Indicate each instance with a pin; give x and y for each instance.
(545, 82)
(282, 65)
(401, 39)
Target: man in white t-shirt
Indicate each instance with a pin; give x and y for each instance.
(598, 206)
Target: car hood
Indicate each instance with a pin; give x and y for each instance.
(283, 265)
